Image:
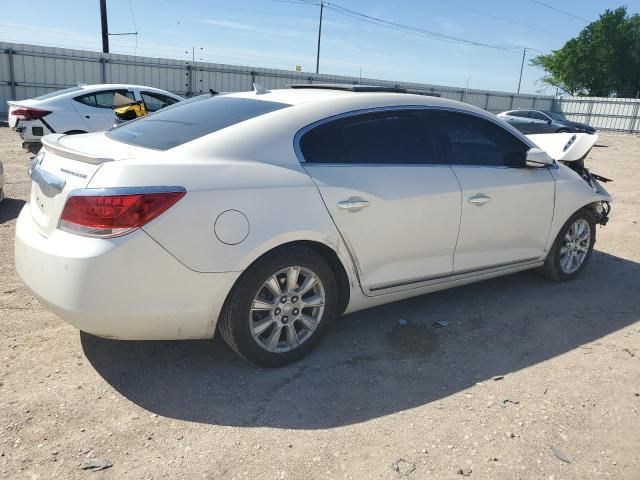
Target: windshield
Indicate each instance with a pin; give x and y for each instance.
(556, 116)
(188, 120)
(58, 92)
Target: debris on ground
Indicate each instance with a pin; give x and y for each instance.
(507, 400)
(560, 455)
(441, 323)
(498, 377)
(403, 467)
(95, 464)
(465, 472)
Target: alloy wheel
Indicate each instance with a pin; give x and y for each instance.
(287, 309)
(575, 246)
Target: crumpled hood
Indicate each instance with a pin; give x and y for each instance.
(566, 147)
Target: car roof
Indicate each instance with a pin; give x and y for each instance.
(352, 98)
(109, 86)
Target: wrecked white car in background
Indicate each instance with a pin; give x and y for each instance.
(81, 109)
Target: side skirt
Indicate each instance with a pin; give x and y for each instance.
(361, 302)
(450, 277)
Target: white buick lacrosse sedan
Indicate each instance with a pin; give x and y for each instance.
(266, 214)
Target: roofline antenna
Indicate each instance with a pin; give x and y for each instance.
(259, 89)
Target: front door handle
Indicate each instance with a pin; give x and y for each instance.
(353, 204)
(479, 199)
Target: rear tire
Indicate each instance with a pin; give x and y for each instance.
(270, 320)
(572, 248)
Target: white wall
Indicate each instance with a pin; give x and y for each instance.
(38, 70)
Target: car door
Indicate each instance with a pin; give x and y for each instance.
(393, 198)
(519, 119)
(507, 207)
(96, 108)
(539, 123)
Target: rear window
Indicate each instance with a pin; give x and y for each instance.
(182, 123)
(58, 92)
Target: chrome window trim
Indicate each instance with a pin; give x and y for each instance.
(496, 121)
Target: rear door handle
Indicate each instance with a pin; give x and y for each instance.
(353, 204)
(479, 199)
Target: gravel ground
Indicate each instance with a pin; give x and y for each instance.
(530, 380)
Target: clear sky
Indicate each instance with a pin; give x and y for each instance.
(283, 34)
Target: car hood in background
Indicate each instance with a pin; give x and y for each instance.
(566, 147)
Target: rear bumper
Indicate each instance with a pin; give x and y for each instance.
(127, 288)
(31, 131)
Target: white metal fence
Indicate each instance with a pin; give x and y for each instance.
(27, 71)
(30, 70)
(603, 113)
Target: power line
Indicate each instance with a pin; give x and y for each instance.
(501, 19)
(135, 27)
(564, 12)
(408, 28)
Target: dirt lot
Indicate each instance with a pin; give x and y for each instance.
(376, 400)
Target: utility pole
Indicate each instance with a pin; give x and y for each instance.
(319, 35)
(524, 54)
(105, 28)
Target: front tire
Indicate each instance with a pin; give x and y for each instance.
(280, 307)
(572, 248)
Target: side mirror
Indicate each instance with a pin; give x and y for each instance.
(537, 157)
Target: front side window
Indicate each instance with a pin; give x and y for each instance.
(472, 140)
(537, 115)
(386, 137)
(155, 101)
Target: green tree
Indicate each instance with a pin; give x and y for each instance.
(603, 60)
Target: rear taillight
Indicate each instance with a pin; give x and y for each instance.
(27, 113)
(114, 212)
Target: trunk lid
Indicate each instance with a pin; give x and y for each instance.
(565, 147)
(66, 163)
(14, 105)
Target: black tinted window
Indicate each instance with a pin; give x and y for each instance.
(519, 113)
(182, 123)
(156, 101)
(390, 137)
(537, 115)
(102, 99)
(475, 141)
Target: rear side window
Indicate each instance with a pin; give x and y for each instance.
(102, 99)
(473, 140)
(389, 137)
(182, 123)
(519, 113)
